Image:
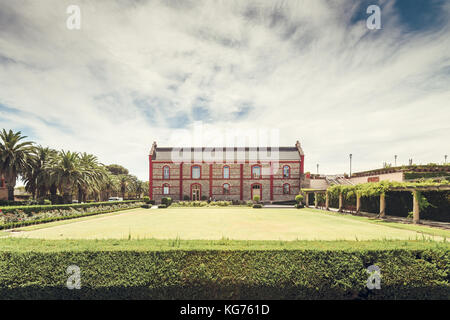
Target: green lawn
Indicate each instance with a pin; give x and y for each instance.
(236, 223)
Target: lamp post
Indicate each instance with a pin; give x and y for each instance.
(350, 165)
(317, 168)
(445, 159)
(395, 160)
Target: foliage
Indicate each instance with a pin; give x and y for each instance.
(20, 218)
(257, 206)
(162, 206)
(220, 274)
(15, 158)
(256, 198)
(166, 201)
(299, 198)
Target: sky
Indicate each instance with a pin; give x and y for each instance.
(141, 71)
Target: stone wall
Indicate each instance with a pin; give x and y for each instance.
(214, 173)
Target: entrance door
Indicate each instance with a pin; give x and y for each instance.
(196, 192)
(256, 191)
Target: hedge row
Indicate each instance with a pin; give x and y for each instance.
(210, 274)
(25, 223)
(39, 208)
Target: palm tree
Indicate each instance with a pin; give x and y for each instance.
(93, 175)
(14, 158)
(124, 180)
(66, 171)
(36, 178)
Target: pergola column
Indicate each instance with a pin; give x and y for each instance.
(340, 202)
(306, 198)
(327, 201)
(382, 205)
(416, 208)
(358, 203)
(316, 200)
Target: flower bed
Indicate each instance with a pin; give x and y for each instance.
(23, 216)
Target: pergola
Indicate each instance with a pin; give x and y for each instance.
(414, 190)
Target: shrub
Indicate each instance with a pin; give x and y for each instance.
(167, 201)
(221, 274)
(47, 202)
(146, 199)
(257, 206)
(256, 198)
(299, 205)
(299, 198)
(146, 206)
(162, 206)
(249, 203)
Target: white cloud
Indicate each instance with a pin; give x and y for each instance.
(300, 66)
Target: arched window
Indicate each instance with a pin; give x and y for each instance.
(166, 188)
(286, 172)
(226, 188)
(286, 188)
(166, 172)
(256, 172)
(196, 172)
(226, 172)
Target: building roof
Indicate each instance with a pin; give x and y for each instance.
(222, 154)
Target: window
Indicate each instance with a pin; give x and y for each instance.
(196, 172)
(226, 188)
(166, 189)
(166, 172)
(226, 172)
(286, 172)
(286, 188)
(256, 172)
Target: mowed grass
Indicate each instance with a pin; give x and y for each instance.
(233, 223)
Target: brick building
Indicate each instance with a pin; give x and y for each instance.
(274, 174)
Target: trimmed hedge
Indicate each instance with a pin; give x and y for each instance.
(25, 223)
(212, 274)
(39, 208)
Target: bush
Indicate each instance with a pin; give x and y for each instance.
(256, 198)
(299, 198)
(14, 217)
(221, 274)
(299, 205)
(167, 201)
(257, 206)
(249, 203)
(146, 206)
(47, 202)
(162, 206)
(146, 199)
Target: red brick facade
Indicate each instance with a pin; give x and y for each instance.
(273, 184)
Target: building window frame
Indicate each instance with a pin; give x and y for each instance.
(228, 170)
(226, 190)
(166, 177)
(260, 171)
(199, 172)
(288, 172)
(166, 185)
(288, 191)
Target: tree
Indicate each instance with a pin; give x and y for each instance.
(36, 177)
(14, 158)
(116, 169)
(66, 171)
